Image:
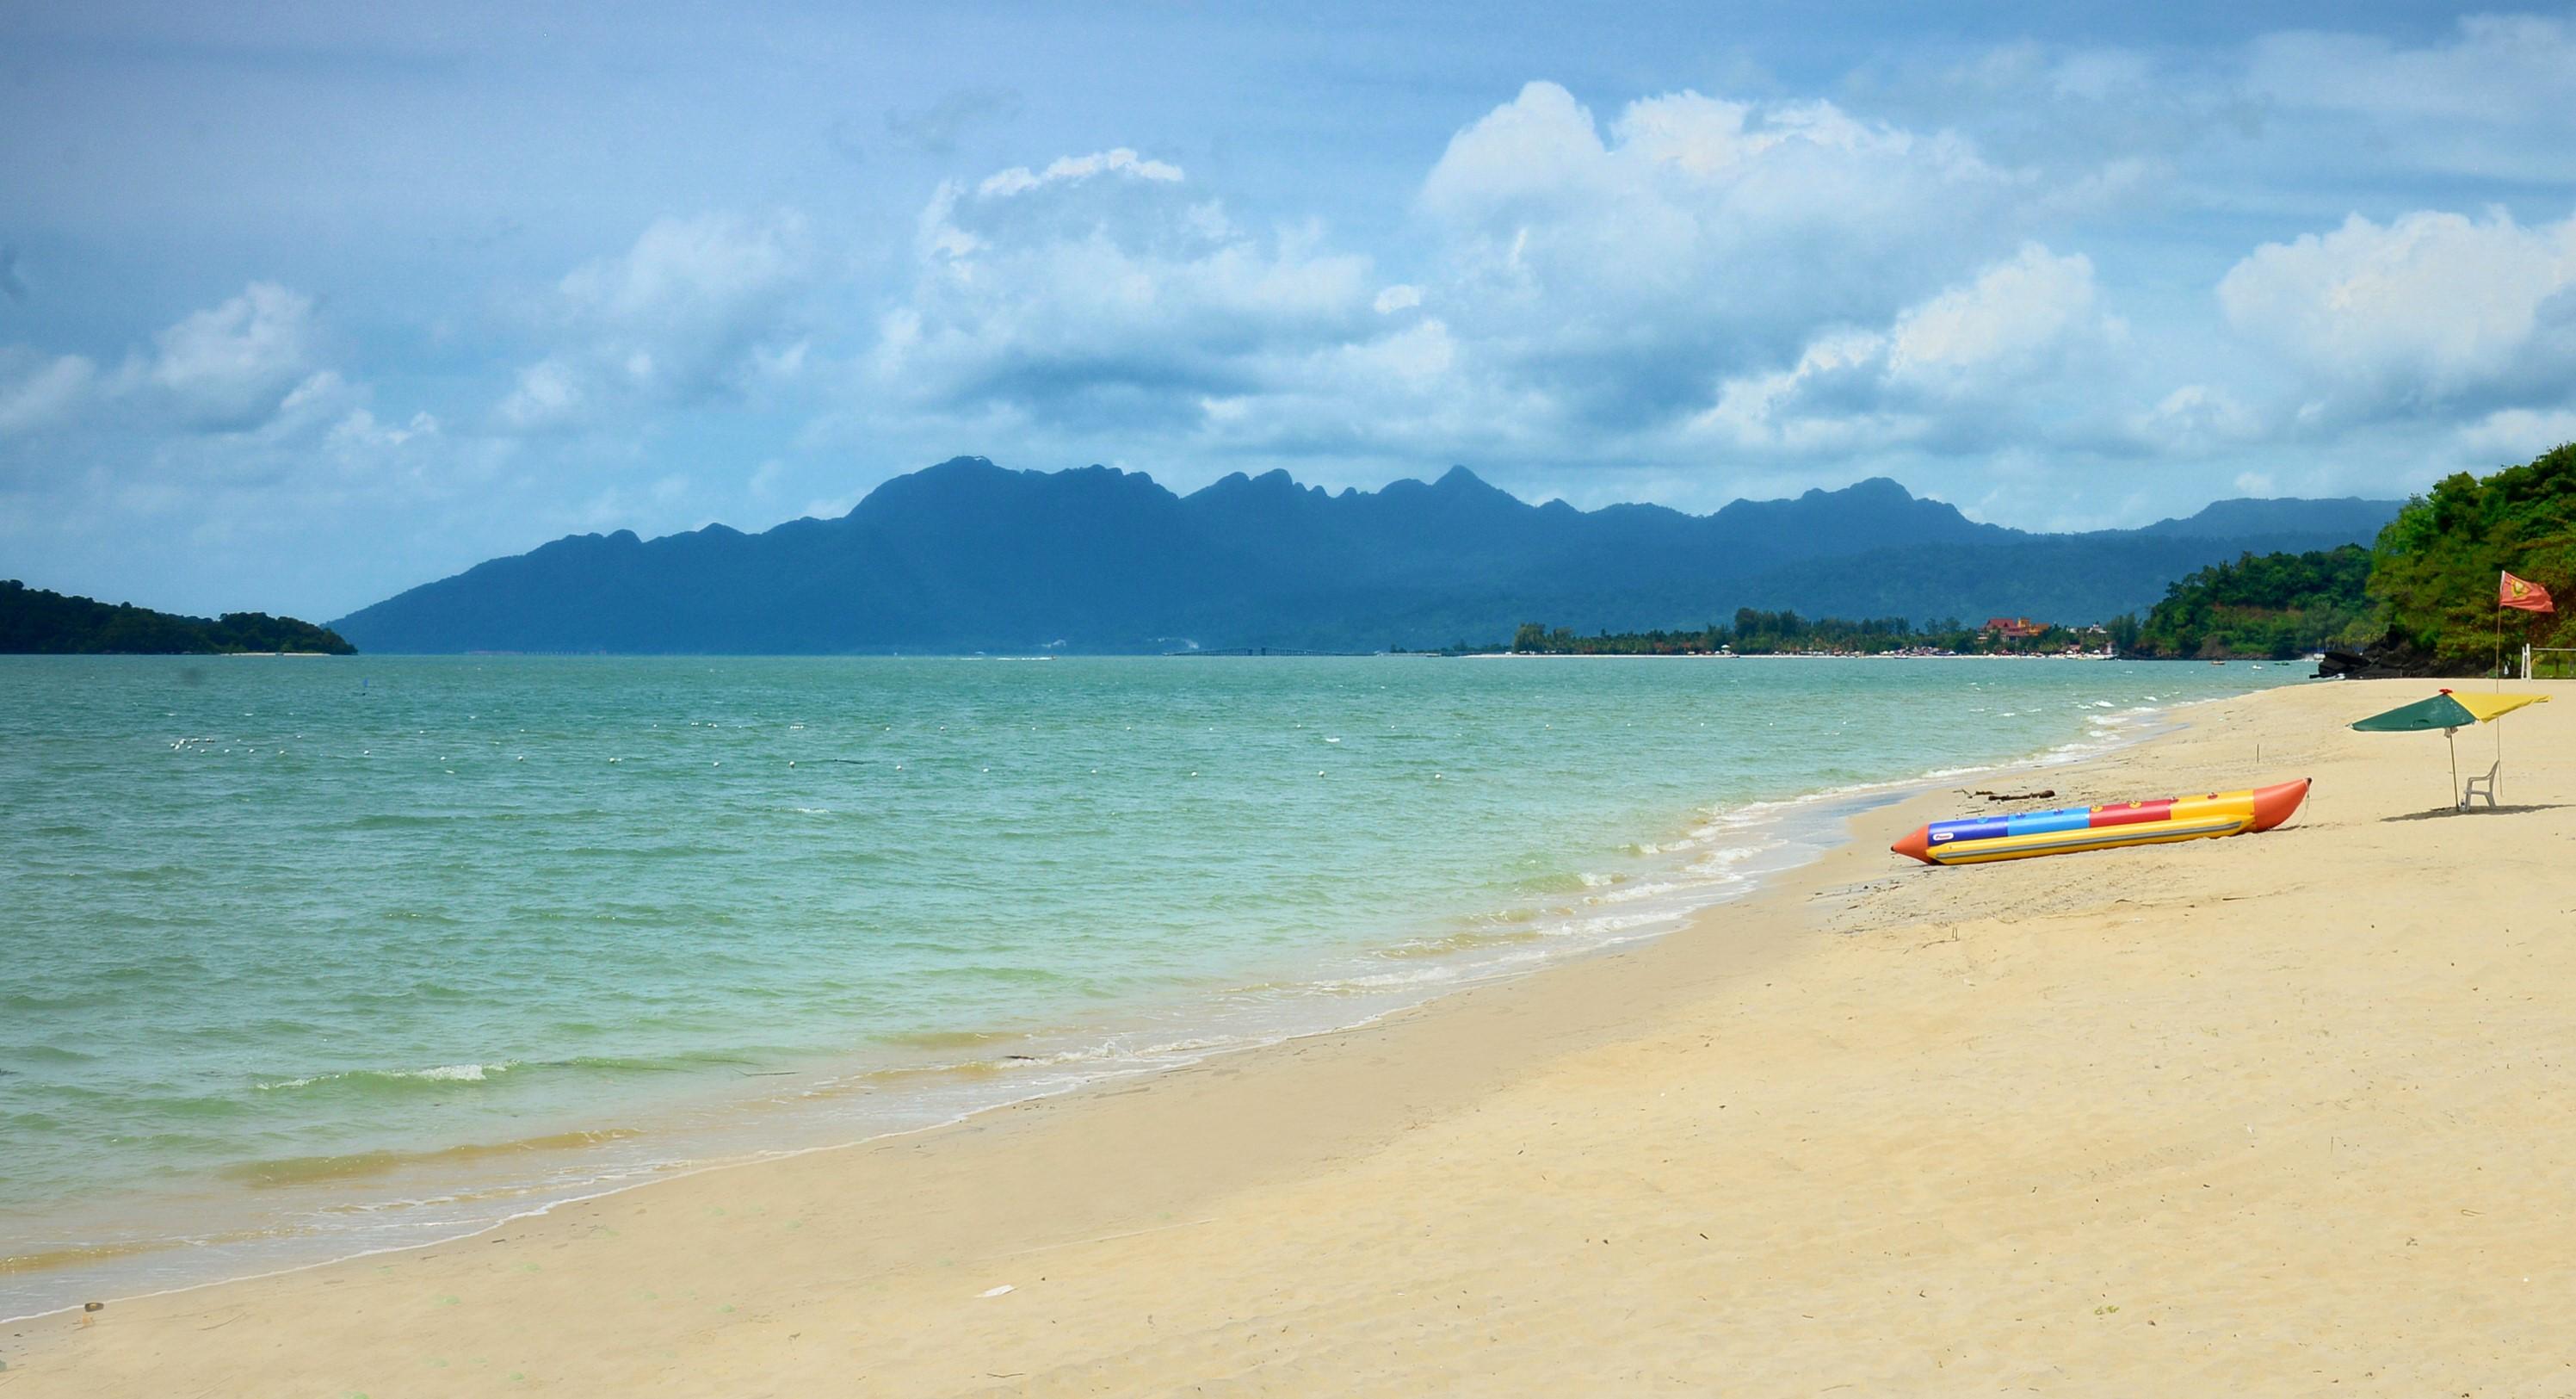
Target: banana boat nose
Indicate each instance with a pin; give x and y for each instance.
(2274, 804)
(1914, 846)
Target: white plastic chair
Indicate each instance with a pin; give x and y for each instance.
(2481, 787)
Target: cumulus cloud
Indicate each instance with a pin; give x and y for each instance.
(2195, 419)
(1958, 362)
(1017, 180)
(247, 367)
(697, 309)
(38, 392)
(1592, 283)
(2429, 307)
(1697, 236)
(546, 394)
(1397, 298)
(1996, 327)
(2519, 434)
(228, 368)
(1077, 296)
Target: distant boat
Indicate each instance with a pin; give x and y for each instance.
(2218, 662)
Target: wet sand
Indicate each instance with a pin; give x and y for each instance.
(2284, 1113)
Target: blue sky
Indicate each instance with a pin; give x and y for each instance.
(300, 306)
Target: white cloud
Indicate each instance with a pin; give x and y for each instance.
(693, 276)
(2519, 434)
(1701, 236)
(229, 368)
(1128, 299)
(37, 392)
(545, 395)
(243, 369)
(1961, 362)
(1600, 279)
(1997, 325)
(2195, 418)
(697, 308)
(1593, 285)
(2429, 306)
(1017, 180)
(360, 432)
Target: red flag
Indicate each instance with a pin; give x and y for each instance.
(2524, 594)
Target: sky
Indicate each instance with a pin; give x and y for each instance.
(302, 305)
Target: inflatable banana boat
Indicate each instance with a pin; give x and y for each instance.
(1979, 839)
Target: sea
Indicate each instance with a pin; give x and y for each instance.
(303, 958)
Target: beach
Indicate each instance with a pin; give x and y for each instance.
(2278, 1114)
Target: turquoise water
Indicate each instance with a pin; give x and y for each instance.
(312, 956)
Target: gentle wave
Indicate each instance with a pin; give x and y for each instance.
(311, 1170)
(442, 1074)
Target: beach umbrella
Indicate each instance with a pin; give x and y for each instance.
(2449, 711)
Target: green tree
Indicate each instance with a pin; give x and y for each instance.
(2437, 564)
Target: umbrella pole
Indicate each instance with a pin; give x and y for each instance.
(2451, 740)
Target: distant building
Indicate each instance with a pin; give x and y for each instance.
(2014, 628)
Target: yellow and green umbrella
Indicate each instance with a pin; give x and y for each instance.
(2450, 711)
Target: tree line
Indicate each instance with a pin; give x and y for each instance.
(37, 622)
(1758, 633)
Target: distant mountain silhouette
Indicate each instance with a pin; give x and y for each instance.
(2246, 519)
(968, 556)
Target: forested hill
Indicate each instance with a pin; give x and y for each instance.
(968, 556)
(2421, 600)
(34, 621)
(2434, 571)
(2276, 605)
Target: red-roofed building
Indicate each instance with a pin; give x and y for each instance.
(2014, 628)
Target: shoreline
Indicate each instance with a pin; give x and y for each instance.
(1973, 1115)
(1809, 825)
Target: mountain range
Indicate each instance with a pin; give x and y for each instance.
(968, 556)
